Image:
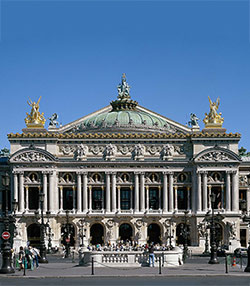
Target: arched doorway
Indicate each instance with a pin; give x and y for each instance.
(125, 232)
(154, 233)
(96, 233)
(33, 233)
(68, 234)
(180, 234)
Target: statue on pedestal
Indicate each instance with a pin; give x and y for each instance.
(35, 119)
(213, 119)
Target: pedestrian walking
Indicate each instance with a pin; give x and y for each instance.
(151, 255)
(21, 258)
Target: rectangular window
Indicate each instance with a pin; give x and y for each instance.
(154, 198)
(125, 198)
(67, 198)
(182, 199)
(97, 198)
(33, 198)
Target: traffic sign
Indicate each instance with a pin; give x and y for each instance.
(67, 240)
(5, 235)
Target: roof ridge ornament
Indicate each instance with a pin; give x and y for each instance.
(213, 119)
(124, 101)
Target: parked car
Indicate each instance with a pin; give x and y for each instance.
(240, 252)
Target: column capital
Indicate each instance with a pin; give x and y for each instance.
(45, 172)
(81, 173)
(113, 173)
(51, 173)
(137, 173)
(165, 173)
(20, 172)
(108, 173)
(15, 172)
(234, 172)
(229, 172)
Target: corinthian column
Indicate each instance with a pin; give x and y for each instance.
(171, 192)
(15, 186)
(198, 192)
(165, 192)
(79, 192)
(205, 191)
(51, 191)
(136, 192)
(142, 192)
(85, 192)
(235, 191)
(228, 191)
(21, 193)
(113, 192)
(45, 190)
(107, 192)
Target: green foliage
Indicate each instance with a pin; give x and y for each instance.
(243, 152)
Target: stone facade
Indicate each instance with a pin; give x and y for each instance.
(128, 176)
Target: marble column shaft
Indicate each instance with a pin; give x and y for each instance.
(165, 193)
(79, 192)
(142, 192)
(171, 192)
(204, 195)
(198, 191)
(85, 192)
(21, 192)
(108, 192)
(113, 192)
(228, 191)
(136, 192)
(45, 191)
(235, 191)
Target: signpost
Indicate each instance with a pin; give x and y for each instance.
(5, 235)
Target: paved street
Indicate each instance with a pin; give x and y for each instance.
(195, 272)
(132, 281)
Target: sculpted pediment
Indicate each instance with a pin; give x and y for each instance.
(28, 155)
(217, 154)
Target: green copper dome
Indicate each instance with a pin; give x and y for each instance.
(124, 115)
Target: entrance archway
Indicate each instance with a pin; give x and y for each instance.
(180, 234)
(154, 233)
(33, 233)
(96, 233)
(125, 232)
(68, 234)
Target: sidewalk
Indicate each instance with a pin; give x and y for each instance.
(197, 266)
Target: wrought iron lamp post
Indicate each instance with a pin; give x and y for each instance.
(67, 235)
(185, 236)
(206, 250)
(49, 233)
(213, 253)
(42, 258)
(6, 246)
(246, 218)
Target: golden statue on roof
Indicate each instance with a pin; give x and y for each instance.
(35, 119)
(213, 119)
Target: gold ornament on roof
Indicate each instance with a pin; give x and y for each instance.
(213, 119)
(35, 119)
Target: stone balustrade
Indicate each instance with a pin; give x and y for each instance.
(172, 258)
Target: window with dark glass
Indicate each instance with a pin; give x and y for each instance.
(97, 199)
(242, 198)
(67, 198)
(154, 198)
(218, 197)
(125, 198)
(33, 198)
(182, 199)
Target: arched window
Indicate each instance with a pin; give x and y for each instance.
(125, 232)
(154, 233)
(96, 233)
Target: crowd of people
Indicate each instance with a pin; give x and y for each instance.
(28, 258)
(128, 246)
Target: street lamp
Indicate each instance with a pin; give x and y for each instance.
(213, 253)
(246, 218)
(42, 258)
(206, 250)
(184, 233)
(49, 233)
(6, 246)
(67, 239)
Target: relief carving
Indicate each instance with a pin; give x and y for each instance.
(167, 152)
(31, 156)
(109, 152)
(215, 156)
(138, 152)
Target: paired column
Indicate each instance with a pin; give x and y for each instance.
(113, 186)
(26, 198)
(171, 192)
(21, 192)
(51, 191)
(85, 192)
(147, 198)
(165, 192)
(61, 197)
(175, 198)
(235, 191)
(15, 189)
(79, 192)
(45, 190)
(228, 191)
(107, 192)
(142, 192)
(136, 196)
(90, 198)
(204, 193)
(198, 191)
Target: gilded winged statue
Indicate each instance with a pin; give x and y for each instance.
(35, 119)
(213, 119)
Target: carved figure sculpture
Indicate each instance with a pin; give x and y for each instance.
(109, 152)
(167, 152)
(138, 152)
(193, 120)
(213, 119)
(80, 152)
(35, 119)
(53, 120)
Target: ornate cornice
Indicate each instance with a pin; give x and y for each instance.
(123, 135)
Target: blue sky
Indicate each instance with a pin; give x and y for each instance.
(174, 53)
